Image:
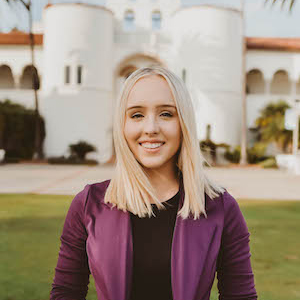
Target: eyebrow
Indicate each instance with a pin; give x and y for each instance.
(163, 105)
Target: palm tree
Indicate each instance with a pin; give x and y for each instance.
(283, 2)
(38, 153)
(270, 125)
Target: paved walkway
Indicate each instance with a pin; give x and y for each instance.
(68, 180)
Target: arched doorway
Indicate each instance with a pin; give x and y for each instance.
(131, 63)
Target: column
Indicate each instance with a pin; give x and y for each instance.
(17, 79)
(296, 110)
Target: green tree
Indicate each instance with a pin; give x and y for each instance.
(270, 125)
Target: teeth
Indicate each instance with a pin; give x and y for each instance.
(151, 145)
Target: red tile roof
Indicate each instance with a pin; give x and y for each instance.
(257, 43)
(19, 38)
(280, 44)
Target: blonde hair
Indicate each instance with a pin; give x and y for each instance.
(130, 188)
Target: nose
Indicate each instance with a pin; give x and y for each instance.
(151, 125)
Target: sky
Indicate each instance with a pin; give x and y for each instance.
(261, 20)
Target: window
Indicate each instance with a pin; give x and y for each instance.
(156, 20)
(79, 74)
(67, 74)
(129, 20)
(184, 75)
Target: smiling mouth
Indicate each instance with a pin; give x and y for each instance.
(151, 146)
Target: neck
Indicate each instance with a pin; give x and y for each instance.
(164, 181)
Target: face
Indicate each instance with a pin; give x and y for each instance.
(152, 129)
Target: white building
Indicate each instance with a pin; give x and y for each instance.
(85, 52)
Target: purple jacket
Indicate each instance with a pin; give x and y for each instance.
(97, 239)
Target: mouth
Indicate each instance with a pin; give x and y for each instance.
(151, 147)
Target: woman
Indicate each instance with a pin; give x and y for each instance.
(160, 229)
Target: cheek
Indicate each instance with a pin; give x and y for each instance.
(173, 131)
(131, 131)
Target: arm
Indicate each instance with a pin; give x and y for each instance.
(234, 272)
(72, 271)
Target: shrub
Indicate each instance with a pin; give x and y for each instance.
(71, 160)
(80, 149)
(269, 163)
(210, 147)
(255, 154)
(17, 131)
(233, 156)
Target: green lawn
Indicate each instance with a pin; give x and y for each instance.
(30, 227)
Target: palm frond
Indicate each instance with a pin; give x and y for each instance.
(283, 2)
(26, 5)
(292, 4)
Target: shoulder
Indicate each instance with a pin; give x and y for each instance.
(229, 202)
(225, 199)
(100, 186)
(226, 204)
(98, 189)
(234, 221)
(91, 193)
(79, 200)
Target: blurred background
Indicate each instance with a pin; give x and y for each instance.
(62, 65)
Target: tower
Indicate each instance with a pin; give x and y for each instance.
(77, 86)
(208, 47)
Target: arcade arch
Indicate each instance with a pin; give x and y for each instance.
(280, 83)
(26, 78)
(6, 78)
(255, 82)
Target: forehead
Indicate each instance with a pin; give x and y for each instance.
(150, 90)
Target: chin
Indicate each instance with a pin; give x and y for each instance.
(152, 165)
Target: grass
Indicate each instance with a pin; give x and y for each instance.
(30, 227)
(274, 228)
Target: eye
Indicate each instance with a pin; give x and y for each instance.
(136, 116)
(166, 114)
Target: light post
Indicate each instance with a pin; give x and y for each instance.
(243, 160)
(296, 127)
(291, 122)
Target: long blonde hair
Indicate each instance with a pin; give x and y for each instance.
(130, 188)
